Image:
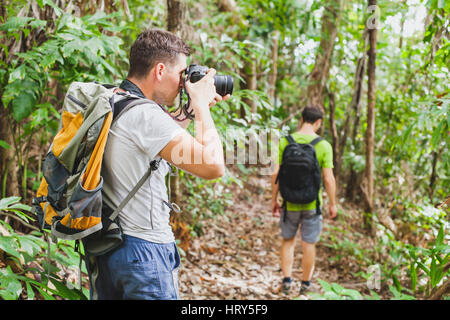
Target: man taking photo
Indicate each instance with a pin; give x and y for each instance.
(145, 265)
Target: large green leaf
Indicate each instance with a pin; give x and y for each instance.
(15, 23)
(22, 105)
(10, 286)
(4, 145)
(5, 203)
(355, 295)
(9, 245)
(65, 292)
(440, 236)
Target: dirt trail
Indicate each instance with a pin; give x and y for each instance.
(237, 257)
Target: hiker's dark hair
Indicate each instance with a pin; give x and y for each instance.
(311, 114)
(153, 46)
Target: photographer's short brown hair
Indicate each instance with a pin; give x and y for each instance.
(153, 46)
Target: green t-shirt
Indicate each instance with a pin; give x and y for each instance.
(324, 154)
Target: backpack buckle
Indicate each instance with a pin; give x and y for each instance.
(154, 165)
(172, 206)
(39, 200)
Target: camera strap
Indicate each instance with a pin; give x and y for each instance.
(185, 108)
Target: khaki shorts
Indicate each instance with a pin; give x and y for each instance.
(310, 225)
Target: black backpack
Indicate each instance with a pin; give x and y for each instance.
(299, 175)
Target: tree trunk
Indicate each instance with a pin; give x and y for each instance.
(248, 73)
(175, 24)
(335, 144)
(370, 131)
(274, 71)
(353, 177)
(355, 104)
(175, 16)
(320, 73)
(8, 165)
(436, 156)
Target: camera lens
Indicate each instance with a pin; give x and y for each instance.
(224, 85)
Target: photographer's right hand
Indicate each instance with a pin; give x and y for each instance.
(203, 92)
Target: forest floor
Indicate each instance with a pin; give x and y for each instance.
(237, 256)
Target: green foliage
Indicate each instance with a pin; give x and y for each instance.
(409, 271)
(205, 199)
(399, 295)
(334, 291)
(14, 285)
(429, 264)
(69, 49)
(426, 133)
(266, 16)
(424, 267)
(431, 120)
(412, 118)
(13, 205)
(20, 276)
(76, 50)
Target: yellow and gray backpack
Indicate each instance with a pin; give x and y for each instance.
(69, 198)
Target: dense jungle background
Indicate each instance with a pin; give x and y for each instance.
(380, 70)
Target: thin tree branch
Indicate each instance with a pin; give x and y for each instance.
(439, 292)
(20, 220)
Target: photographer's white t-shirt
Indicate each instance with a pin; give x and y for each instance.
(135, 140)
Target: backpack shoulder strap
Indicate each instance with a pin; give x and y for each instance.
(316, 141)
(106, 85)
(153, 166)
(120, 108)
(290, 139)
(125, 104)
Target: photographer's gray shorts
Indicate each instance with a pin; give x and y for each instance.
(310, 225)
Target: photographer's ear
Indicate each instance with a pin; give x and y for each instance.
(159, 70)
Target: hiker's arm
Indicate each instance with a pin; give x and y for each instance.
(330, 187)
(275, 188)
(203, 155)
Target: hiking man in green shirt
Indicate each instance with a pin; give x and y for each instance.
(306, 215)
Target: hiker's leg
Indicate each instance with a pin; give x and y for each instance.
(310, 228)
(309, 256)
(289, 221)
(287, 256)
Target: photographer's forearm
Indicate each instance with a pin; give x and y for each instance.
(206, 134)
(205, 129)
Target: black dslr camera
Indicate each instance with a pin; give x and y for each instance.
(224, 84)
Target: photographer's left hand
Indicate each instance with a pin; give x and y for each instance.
(218, 98)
